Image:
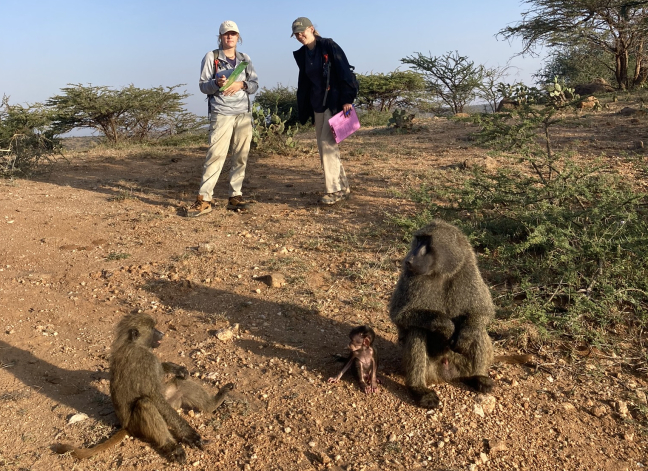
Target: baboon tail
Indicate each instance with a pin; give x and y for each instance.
(82, 453)
(514, 359)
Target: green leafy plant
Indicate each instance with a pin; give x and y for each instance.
(402, 119)
(564, 241)
(270, 131)
(27, 140)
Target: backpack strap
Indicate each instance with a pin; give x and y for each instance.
(216, 54)
(327, 72)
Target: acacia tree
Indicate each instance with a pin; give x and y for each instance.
(27, 139)
(618, 27)
(385, 91)
(130, 113)
(451, 77)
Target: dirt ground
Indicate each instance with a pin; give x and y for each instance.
(103, 235)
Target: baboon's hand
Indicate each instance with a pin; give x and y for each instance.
(334, 380)
(182, 373)
(174, 453)
(193, 439)
(228, 387)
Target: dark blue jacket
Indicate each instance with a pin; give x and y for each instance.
(342, 89)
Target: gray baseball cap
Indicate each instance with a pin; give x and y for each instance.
(300, 25)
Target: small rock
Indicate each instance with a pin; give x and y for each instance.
(77, 418)
(273, 280)
(479, 410)
(599, 411)
(628, 437)
(227, 333)
(441, 444)
(287, 430)
(496, 445)
(641, 397)
(483, 457)
(568, 407)
(622, 408)
(312, 444)
(514, 383)
(205, 247)
(322, 457)
(487, 402)
(472, 467)
(392, 437)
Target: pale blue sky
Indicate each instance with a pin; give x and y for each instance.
(46, 44)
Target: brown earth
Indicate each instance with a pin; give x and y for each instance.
(103, 235)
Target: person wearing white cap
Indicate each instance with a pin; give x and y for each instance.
(326, 86)
(230, 117)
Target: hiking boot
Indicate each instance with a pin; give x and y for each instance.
(199, 208)
(332, 198)
(236, 203)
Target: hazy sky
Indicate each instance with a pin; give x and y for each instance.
(45, 45)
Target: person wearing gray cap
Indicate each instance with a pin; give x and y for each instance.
(326, 86)
(228, 78)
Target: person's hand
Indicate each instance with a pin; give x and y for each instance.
(232, 89)
(347, 109)
(221, 80)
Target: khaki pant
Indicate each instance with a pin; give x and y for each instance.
(334, 177)
(224, 130)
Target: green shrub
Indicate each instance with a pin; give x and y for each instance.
(271, 133)
(373, 118)
(565, 241)
(26, 138)
(281, 101)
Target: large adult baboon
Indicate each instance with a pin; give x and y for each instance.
(441, 307)
(144, 402)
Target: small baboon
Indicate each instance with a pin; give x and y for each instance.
(144, 402)
(441, 307)
(365, 357)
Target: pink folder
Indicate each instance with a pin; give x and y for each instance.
(342, 127)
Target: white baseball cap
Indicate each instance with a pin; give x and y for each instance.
(228, 26)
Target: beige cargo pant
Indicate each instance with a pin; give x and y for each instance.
(334, 177)
(223, 131)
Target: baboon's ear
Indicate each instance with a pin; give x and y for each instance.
(133, 334)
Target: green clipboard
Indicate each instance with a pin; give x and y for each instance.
(234, 75)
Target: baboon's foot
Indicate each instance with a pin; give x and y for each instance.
(426, 398)
(482, 384)
(193, 439)
(174, 453)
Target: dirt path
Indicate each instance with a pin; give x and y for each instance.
(103, 236)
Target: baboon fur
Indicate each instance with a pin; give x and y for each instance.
(146, 403)
(441, 307)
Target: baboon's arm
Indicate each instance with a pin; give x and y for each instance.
(344, 370)
(430, 320)
(178, 371)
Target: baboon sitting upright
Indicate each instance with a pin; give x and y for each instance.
(144, 403)
(441, 307)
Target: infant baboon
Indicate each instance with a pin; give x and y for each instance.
(145, 404)
(441, 307)
(365, 357)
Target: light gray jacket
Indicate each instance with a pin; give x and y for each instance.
(219, 103)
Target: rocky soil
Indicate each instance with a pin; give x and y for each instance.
(103, 235)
